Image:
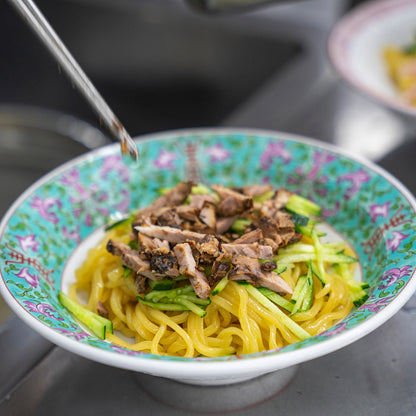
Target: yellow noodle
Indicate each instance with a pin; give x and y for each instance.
(235, 323)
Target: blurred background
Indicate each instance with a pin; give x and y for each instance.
(162, 64)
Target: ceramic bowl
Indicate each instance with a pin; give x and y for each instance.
(46, 231)
(356, 44)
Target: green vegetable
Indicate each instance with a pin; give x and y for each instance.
(240, 224)
(119, 223)
(164, 284)
(178, 299)
(263, 197)
(276, 298)
(303, 293)
(319, 252)
(303, 206)
(98, 325)
(163, 306)
(289, 258)
(356, 289)
(127, 272)
(156, 295)
(220, 286)
(286, 320)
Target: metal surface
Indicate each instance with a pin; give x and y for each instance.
(37, 21)
(373, 376)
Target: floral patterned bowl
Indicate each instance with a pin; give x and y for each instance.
(45, 228)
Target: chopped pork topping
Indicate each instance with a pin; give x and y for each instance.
(250, 269)
(173, 235)
(193, 235)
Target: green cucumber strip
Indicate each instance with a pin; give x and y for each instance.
(180, 277)
(319, 254)
(316, 272)
(304, 300)
(182, 300)
(164, 284)
(163, 306)
(286, 320)
(328, 248)
(296, 295)
(356, 289)
(134, 244)
(195, 299)
(126, 271)
(280, 269)
(303, 206)
(123, 221)
(307, 230)
(220, 286)
(240, 224)
(263, 197)
(156, 295)
(276, 298)
(300, 257)
(98, 325)
(299, 220)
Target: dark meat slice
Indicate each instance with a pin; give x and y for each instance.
(223, 224)
(186, 260)
(209, 248)
(116, 248)
(200, 284)
(188, 213)
(254, 250)
(284, 221)
(164, 262)
(197, 201)
(169, 217)
(207, 215)
(132, 260)
(289, 237)
(249, 269)
(102, 310)
(268, 226)
(172, 235)
(176, 196)
(187, 266)
(272, 243)
(268, 266)
(255, 190)
(271, 206)
(250, 237)
(220, 268)
(129, 257)
(140, 282)
(232, 202)
(146, 243)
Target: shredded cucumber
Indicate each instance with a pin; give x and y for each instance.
(286, 320)
(220, 286)
(98, 325)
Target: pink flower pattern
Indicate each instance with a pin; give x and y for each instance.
(42, 308)
(165, 160)
(44, 206)
(273, 150)
(217, 153)
(32, 279)
(394, 243)
(28, 242)
(379, 210)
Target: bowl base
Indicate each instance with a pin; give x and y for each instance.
(196, 397)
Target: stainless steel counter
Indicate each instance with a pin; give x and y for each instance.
(374, 376)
